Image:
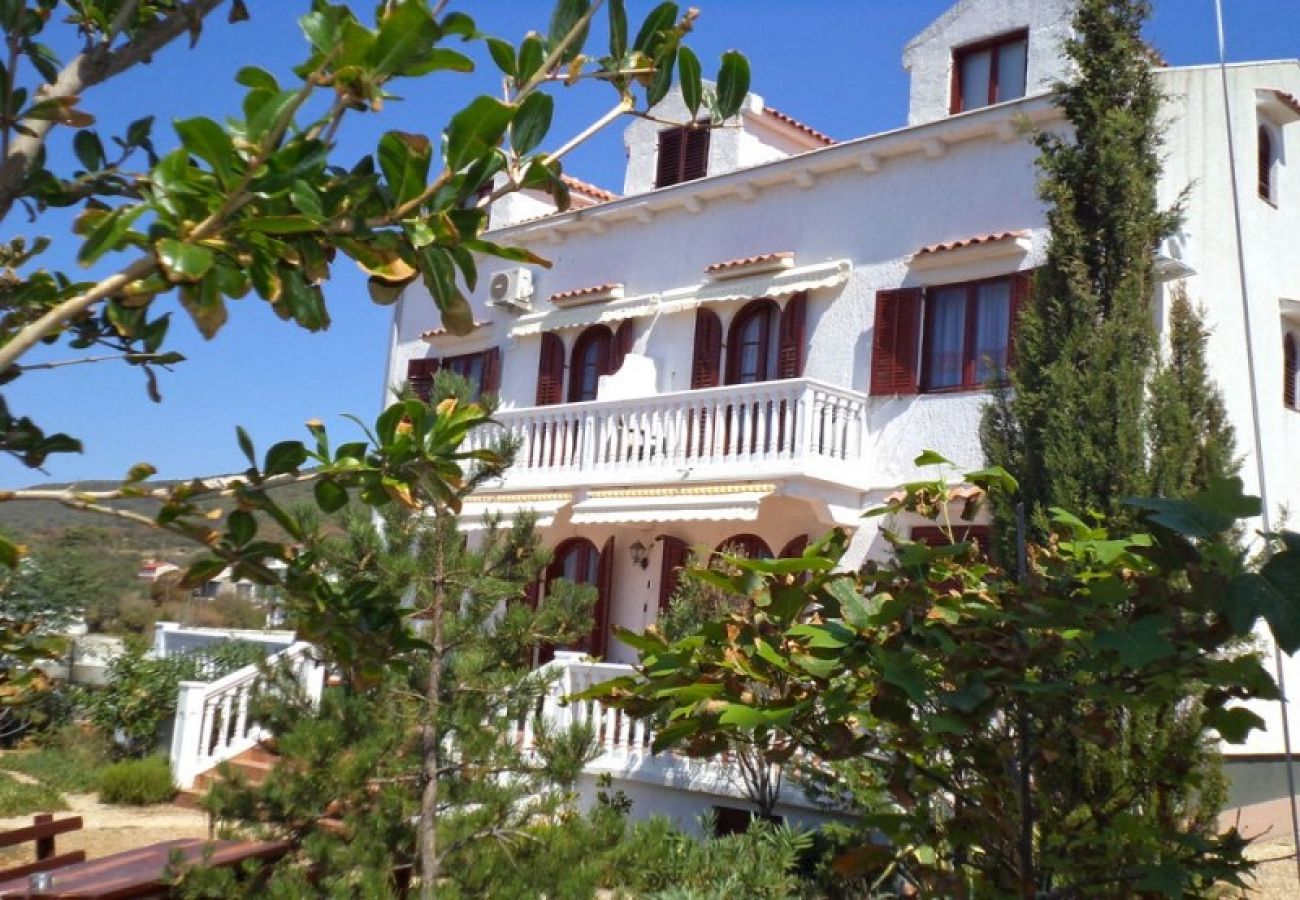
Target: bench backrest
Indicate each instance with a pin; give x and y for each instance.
(42, 831)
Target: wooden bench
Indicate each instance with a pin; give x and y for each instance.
(42, 831)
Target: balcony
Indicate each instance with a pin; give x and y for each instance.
(776, 429)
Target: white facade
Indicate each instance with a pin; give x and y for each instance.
(945, 200)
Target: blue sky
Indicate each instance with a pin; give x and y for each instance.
(832, 63)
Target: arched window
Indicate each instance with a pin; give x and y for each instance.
(751, 546)
(592, 358)
(1267, 164)
(752, 345)
(1289, 371)
(577, 560)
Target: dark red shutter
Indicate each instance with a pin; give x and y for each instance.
(795, 548)
(894, 342)
(491, 372)
(1022, 292)
(695, 158)
(604, 596)
(624, 338)
(1289, 363)
(550, 370)
(707, 363)
(669, 165)
(676, 551)
(419, 375)
(1265, 163)
(533, 593)
(791, 343)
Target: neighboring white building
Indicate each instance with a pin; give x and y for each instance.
(754, 342)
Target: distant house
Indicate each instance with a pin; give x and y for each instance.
(153, 569)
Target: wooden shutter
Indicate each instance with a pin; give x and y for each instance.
(669, 164)
(1289, 363)
(550, 370)
(1265, 163)
(419, 375)
(695, 157)
(533, 593)
(675, 553)
(707, 363)
(790, 346)
(624, 338)
(604, 596)
(491, 372)
(795, 548)
(1022, 293)
(894, 342)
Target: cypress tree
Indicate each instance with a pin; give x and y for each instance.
(1071, 427)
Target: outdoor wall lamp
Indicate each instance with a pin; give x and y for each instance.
(640, 555)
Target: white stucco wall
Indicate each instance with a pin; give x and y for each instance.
(928, 56)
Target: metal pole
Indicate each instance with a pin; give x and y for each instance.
(1265, 517)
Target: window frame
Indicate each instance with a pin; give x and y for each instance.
(969, 361)
(993, 45)
(452, 364)
(769, 340)
(682, 135)
(593, 335)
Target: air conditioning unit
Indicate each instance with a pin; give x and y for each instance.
(512, 289)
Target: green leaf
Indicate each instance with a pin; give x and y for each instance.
(747, 717)
(733, 83)
(531, 122)
(204, 303)
(1139, 645)
(89, 149)
(405, 34)
(688, 71)
(246, 445)
(257, 78)
(439, 276)
(330, 496)
(931, 458)
(9, 555)
(661, 18)
(1274, 593)
(404, 159)
(108, 233)
(503, 54)
(267, 112)
(1206, 515)
(475, 130)
(565, 17)
(202, 572)
(183, 262)
(1233, 724)
(241, 526)
(532, 53)
(139, 131)
(209, 142)
(284, 458)
(617, 29)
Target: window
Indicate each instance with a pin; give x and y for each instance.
(967, 335)
(683, 155)
(592, 357)
(751, 348)
(578, 561)
(750, 546)
(1267, 165)
(990, 72)
(482, 370)
(1290, 371)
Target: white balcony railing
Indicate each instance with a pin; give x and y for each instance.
(213, 723)
(797, 426)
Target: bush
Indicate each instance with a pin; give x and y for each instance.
(137, 782)
(19, 799)
(68, 760)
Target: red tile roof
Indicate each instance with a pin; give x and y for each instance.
(972, 241)
(747, 261)
(955, 493)
(794, 123)
(579, 293)
(439, 332)
(588, 190)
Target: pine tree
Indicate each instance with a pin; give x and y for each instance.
(1071, 428)
(1192, 441)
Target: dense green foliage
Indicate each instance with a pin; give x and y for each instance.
(67, 759)
(137, 782)
(79, 573)
(960, 689)
(136, 707)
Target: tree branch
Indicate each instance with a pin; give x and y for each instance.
(85, 71)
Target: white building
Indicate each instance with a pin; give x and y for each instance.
(754, 341)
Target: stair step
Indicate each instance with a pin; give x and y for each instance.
(253, 765)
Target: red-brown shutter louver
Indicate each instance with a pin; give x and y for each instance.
(695, 157)
(491, 372)
(419, 375)
(1022, 294)
(604, 596)
(550, 370)
(895, 342)
(683, 155)
(669, 165)
(706, 365)
(1289, 364)
(792, 340)
(675, 553)
(624, 338)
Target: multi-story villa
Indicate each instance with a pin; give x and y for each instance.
(752, 343)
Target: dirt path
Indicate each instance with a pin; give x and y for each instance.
(112, 829)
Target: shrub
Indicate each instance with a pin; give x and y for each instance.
(68, 760)
(18, 798)
(137, 782)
